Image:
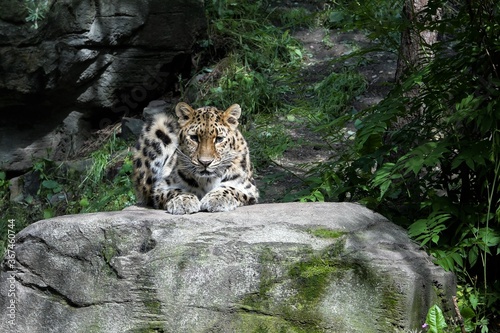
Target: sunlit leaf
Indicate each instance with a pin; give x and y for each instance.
(435, 320)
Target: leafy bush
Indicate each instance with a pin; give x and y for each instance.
(63, 188)
(380, 19)
(333, 95)
(107, 185)
(258, 59)
(430, 160)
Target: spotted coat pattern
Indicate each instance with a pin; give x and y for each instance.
(198, 162)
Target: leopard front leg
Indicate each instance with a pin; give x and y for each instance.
(176, 202)
(224, 199)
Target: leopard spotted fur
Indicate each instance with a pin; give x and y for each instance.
(198, 162)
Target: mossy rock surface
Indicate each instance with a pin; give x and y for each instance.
(317, 267)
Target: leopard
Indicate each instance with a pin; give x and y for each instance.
(195, 161)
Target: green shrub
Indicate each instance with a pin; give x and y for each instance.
(259, 60)
(64, 189)
(427, 156)
(380, 19)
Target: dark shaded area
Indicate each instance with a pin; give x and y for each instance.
(103, 60)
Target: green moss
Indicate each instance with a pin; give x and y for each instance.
(148, 296)
(390, 303)
(258, 323)
(108, 252)
(310, 277)
(152, 305)
(307, 278)
(388, 300)
(152, 326)
(326, 233)
(290, 296)
(110, 247)
(260, 300)
(153, 308)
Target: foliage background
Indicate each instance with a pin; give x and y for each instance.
(426, 157)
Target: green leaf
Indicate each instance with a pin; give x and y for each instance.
(489, 237)
(50, 184)
(384, 187)
(426, 230)
(457, 258)
(48, 213)
(417, 228)
(426, 155)
(435, 239)
(473, 254)
(84, 202)
(472, 154)
(447, 264)
(435, 320)
(318, 196)
(474, 301)
(447, 259)
(336, 17)
(358, 123)
(29, 199)
(467, 313)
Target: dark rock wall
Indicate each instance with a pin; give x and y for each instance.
(100, 58)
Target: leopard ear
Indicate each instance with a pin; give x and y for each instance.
(232, 114)
(184, 112)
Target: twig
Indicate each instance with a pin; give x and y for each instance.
(457, 311)
(302, 179)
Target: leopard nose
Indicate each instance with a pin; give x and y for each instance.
(205, 161)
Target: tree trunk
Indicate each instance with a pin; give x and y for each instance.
(414, 42)
(414, 51)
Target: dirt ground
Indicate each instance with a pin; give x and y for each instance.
(322, 47)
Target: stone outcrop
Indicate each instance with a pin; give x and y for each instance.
(319, 267)
(103, 59)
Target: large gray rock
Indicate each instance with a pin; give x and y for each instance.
(104, 58)
(322, 267)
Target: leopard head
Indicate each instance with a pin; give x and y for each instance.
(207, 139)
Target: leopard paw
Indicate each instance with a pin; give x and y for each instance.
(219, 201)
(183, 204)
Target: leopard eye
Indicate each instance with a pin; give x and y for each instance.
(194, 138)
(219, 139)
